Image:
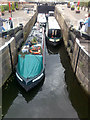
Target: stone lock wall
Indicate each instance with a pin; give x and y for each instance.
(80, 59)
(29, 26)
(81, 65)
(8, 52)
(5, 62)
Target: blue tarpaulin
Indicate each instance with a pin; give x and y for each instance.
(29, 65)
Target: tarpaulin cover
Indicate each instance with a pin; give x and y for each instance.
(30, 65)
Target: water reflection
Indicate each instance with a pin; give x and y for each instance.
(31, 94)
(77, 96)
(11, 90)
(52, 50)
(53, 99)
(9, 93)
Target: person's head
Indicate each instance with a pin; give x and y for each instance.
(10, 18)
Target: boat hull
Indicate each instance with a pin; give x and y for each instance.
(32, 83)
(53, 43)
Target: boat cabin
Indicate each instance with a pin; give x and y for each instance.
(53, 32)
(51, 13)
(41, 18)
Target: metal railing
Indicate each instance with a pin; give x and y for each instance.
(12, 31)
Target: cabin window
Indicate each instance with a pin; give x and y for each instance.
(51, 14)
(54, 33)
(49, 33)
(58, 33)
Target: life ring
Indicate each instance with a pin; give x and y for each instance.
(35, 47)
(35, 50)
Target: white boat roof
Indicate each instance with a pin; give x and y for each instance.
(52, 23)
(51, 12)
(41, 18)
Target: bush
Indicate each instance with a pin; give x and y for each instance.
(78, 8)
(81, 4)
(6, 7)
(2, 8)
(84, 4)
(72, 6)
(89, 4)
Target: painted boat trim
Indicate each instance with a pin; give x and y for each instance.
(19, 77)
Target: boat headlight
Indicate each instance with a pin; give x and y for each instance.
(57, 40)
(51, 40)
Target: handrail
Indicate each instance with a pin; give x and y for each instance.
(6, 44)
(78, 42)
(79, 34)
(11, 31)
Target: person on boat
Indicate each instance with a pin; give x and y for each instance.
(1, 24)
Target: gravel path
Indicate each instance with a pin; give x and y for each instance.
(74, 18)
(18, 17)
(72, 15)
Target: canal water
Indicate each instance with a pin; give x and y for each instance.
(59, 95)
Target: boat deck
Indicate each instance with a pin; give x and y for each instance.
(34, 38)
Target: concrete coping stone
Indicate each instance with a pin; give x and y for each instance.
(6, 44)
(82, 47)
(67, 20)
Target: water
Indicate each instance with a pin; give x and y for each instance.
(58, 96)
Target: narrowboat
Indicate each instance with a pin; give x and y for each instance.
(51, 13)
(53, 32)
(41, 19)
(30, 69)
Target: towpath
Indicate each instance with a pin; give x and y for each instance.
(74, 18)
(19, 16)
(72, 15)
